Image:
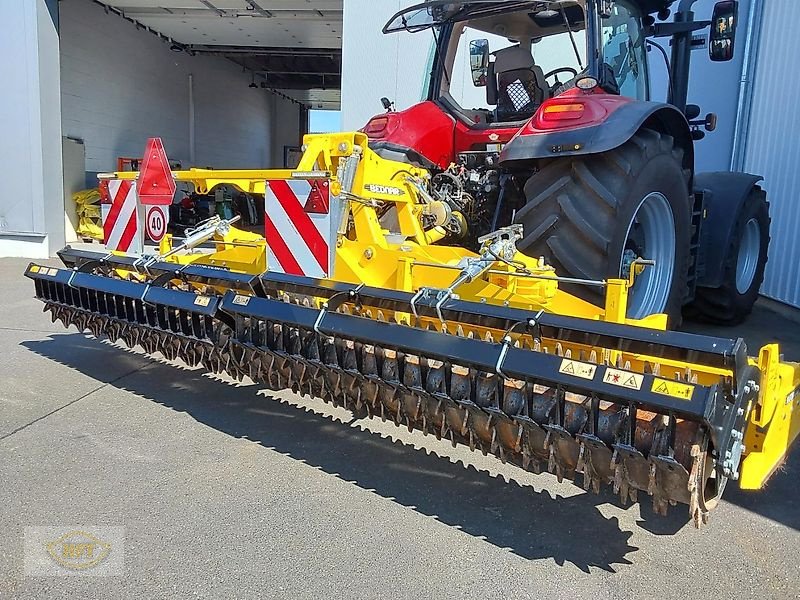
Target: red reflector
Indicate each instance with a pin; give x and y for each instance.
(105, 196)
(376, 125)
(318, 198)
(155, 184)
(562, 112)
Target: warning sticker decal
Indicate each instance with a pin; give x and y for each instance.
(676, 389)
(577, 369)
(624, 379)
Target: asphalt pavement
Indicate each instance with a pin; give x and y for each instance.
(227, 491)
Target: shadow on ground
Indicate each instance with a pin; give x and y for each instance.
(532, 524)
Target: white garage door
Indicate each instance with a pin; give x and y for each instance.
(772, 144)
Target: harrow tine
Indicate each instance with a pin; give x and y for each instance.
(534, 412)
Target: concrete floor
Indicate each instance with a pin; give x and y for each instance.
(225, 492)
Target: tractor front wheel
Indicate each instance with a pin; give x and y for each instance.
(593, 216)
(742, 268)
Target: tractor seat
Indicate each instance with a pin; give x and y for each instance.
(521, 86)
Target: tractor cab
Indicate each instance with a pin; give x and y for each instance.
(495, 64)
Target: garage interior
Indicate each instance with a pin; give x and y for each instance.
(224, 83)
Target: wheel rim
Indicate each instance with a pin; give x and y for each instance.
(651, 235)
(749, 251)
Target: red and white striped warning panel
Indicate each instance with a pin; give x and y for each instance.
(122, 230)
(301, 237)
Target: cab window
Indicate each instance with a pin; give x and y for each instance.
(624, 50)
(549, 53)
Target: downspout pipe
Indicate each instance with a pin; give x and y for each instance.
(192, 158)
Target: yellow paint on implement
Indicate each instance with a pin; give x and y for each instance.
(406, 255)
(774, 421)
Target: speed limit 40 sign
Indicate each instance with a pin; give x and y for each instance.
(156, 221)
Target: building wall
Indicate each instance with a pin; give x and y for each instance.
(120, 85)
(714, 86)
(376, 65)
(31, 205)
(286, 132)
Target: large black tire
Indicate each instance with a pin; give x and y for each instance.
(728, 304)
(579, 211)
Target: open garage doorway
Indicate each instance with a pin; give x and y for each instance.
(224, 83)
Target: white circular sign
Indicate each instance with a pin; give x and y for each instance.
(156, 222)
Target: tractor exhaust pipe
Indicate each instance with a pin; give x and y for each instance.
(681, 56)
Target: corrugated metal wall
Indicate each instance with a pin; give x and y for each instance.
(772, 144)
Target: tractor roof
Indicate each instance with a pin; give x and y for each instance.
(652, 6)
(433, 12)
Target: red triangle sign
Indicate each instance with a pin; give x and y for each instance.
(155, 184)
(318, 198)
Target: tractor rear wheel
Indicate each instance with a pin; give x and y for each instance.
(742, 268)
(592, 216)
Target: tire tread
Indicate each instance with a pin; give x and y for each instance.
(571, 215)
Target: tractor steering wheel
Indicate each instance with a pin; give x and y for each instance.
(557, 82)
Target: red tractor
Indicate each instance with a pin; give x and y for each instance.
(539, 113)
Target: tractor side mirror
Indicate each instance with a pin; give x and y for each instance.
(479, 61)
(723, 30)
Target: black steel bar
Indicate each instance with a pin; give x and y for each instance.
(205, 274)
(711, 351)
(543, 368)
(128, 291)
(681, 56)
